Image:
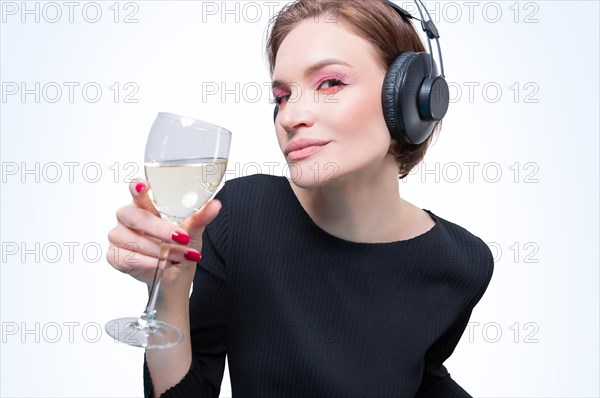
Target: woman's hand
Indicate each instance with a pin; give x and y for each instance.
(135, 241)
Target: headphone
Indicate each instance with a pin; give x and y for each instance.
(413, 96)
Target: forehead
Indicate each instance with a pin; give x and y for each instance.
(312, 40)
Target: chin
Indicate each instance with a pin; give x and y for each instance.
(312, 173)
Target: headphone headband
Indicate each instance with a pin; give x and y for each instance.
(428, 27)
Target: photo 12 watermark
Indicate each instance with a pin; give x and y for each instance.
(491, 12)
(69, 92)
(473, 172)
(68, 172)
(69, 12)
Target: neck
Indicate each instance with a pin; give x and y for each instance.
(361, 207)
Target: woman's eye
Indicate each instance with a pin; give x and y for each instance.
(329, 83)
(282, 98)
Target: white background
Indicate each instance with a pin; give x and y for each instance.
(532, 116)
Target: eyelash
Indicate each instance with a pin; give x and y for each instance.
(332, 79)
(336, 79)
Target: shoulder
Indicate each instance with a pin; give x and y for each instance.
(469, 253)
(254, 193)
(245, 202)
(464, 238)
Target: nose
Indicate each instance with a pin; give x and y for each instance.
(295, 113)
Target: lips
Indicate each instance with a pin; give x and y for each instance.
(302, 144)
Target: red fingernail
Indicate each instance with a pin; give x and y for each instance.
(180, 237)
(193, 255)
(174, 262)
(140, 187)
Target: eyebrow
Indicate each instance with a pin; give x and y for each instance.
(315, 67)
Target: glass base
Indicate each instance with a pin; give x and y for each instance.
(136, 332)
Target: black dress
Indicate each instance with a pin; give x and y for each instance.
(303, 314)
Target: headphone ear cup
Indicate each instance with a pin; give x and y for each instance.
(401, 97)
(390, 95)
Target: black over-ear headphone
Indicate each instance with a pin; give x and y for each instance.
(413, 96)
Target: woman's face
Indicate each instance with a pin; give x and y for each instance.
(328, 83)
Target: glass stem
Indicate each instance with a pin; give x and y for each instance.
(149, 315)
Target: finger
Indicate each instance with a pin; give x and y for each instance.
(143, 221)
(138, 187)
(195, 223)
(128, 261)
(129, 239)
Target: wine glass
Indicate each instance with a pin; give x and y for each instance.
(184, 163)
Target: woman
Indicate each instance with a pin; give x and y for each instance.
(329, 285)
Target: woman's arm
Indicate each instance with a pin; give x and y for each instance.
(199, 362)
(170, 365)
(436, 381)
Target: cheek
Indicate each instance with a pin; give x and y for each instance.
(360, 115)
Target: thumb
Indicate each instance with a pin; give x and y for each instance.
(196, 223)
(139, 188)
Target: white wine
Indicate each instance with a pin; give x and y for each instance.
(180, 188)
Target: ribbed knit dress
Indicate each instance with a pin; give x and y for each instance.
(300, 313)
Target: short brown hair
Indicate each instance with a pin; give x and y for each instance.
(375, 21)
